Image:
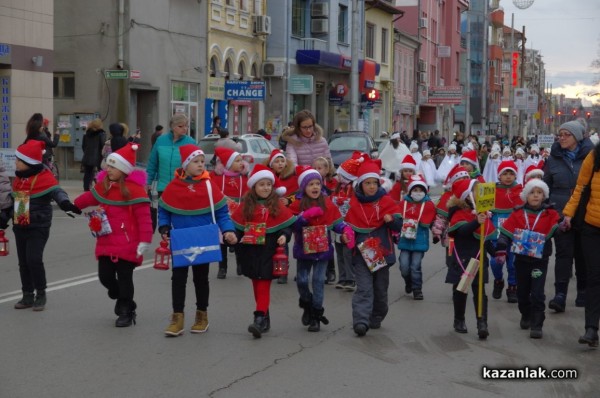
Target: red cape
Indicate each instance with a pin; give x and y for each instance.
(442, 204)
(413, 209)
(190, 197)
(36, 185)
(274, 224)
(331, 216)
(547, 223)
(507, 198)
(232, 187)
(366, 217)
(463, 216)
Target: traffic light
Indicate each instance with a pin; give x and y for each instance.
(372, 94)
(588, 115)
(559, 113)
(574, 112)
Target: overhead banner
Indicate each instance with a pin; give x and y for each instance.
(447, 95)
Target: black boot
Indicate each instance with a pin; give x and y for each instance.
(559, 302)
(537, 321)
(498, 287)
(266, 325)
(525, 321)
(26, 301)
(408, 285)
(511, 294)
(316, 319)
(459, 300)
(256, 328)
(482, 326)
(125, 309)
(222, 274)
(306, 306)
(39, 303)
(590, 337)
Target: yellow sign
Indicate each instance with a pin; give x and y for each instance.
(485, 196)
(216, 88)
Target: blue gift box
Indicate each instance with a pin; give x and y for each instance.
(528, 243)
(195, 245)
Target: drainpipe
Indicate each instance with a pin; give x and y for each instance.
(120, 61)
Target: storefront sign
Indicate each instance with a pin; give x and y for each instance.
(300, 84)
(216, 88)
(244, 90)
(445, 95)
(116, 74)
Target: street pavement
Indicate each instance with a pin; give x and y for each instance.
(72, 348)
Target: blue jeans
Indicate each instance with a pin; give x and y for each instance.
(510, 269)
(410, 267)
(318, 281)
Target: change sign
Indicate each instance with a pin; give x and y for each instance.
(485, 196)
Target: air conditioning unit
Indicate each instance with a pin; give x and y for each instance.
(423, 23)
(319, 10)
(422, 65)
(319, 26)
(262, 25)
(273, 69)
(423, 77)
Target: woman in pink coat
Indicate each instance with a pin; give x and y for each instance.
(122, 227)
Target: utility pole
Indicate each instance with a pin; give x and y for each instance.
(522, 80)
(354, 89)
(468, 75)
(511, 93)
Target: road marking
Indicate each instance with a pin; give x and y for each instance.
(66, 283)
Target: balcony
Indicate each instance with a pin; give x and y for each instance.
(496, 52)
(497, 18)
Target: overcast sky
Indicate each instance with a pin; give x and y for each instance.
(567, 32)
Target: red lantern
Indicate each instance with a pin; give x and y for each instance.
(280, 262)
(162, 256)
(3, 244)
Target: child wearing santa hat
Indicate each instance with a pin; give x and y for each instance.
(527, 233)
(262, 223)
(470, 162)
(185, 203)
(466, 227)
(407, 169)
(417, 212)
(312, 243)
(34, 187)
(373, 215)
(231, 176)
(533, 172)
(347, 173)
(508, 197)
(122, 199)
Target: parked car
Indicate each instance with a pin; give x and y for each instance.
(255, 148)
(342, 144)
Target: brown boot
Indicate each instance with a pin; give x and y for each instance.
(176, 327)
(201, 324)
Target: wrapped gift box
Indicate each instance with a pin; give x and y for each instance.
(468, 275)
(195, 245)
(314, 239)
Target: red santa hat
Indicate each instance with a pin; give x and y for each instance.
(226, 156)
(124, 158)
(370, 168)
(534, 183)
(533, 171)
(462, 188)
(349, 168)
(31, 152)
(417, 181)
(507, 165)
(260, 172)
(305, 175)
(188, 152)
(456, 173)
(275, 153)
(470, 157)
(408, 163)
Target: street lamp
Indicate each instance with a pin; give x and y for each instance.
(523, 4)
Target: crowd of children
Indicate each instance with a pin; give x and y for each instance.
(351, 212)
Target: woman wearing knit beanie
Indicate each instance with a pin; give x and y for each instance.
(560, 174)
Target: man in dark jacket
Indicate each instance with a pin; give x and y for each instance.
(560, 173)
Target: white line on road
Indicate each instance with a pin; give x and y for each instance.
(65, 283)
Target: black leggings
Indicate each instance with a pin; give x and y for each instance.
(178, 286)
(117, 277)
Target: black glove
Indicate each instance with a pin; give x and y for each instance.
(164, 230)
(436, 239)
(66, 205)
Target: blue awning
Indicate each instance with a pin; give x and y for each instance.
(329, 60)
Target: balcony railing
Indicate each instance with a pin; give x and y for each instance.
(314, 44)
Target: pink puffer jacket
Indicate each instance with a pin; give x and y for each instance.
(130, 224)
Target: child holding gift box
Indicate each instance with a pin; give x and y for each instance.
(231, 176)
(185, 203)
(527, 233)
(508, 193)
(418, 212)
(262, 223)
(465, 228)
(312, 244)
(372, 215)
(121, 194)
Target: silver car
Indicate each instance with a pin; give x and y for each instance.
(255, 148)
